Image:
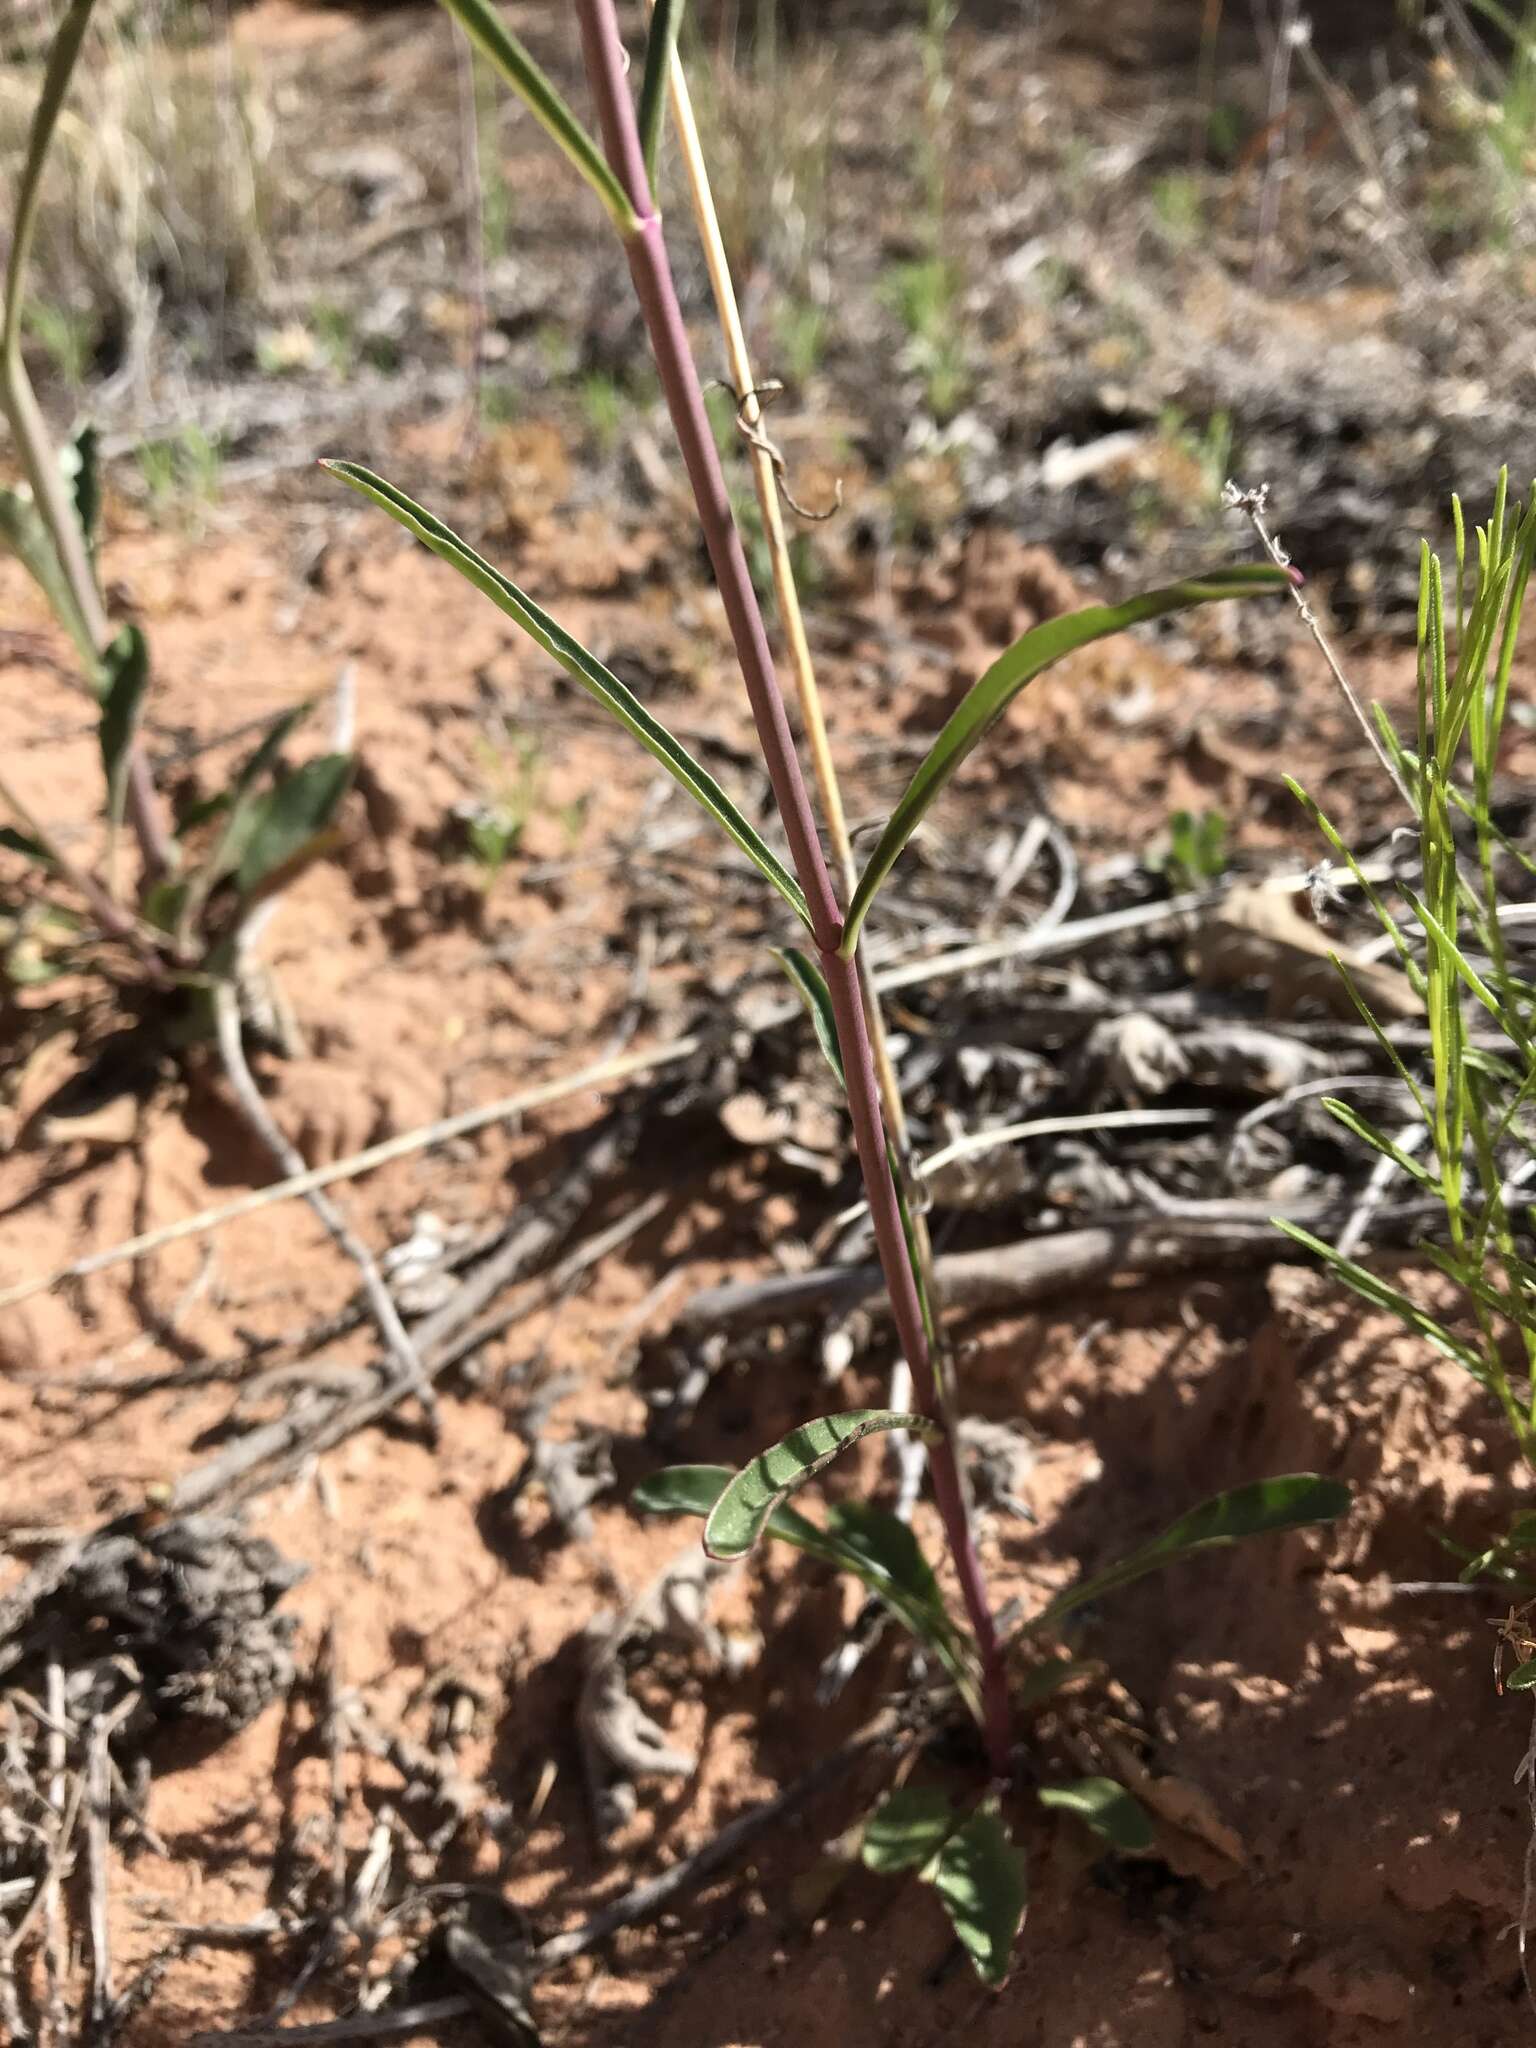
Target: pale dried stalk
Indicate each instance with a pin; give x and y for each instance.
(786, 593)
(765, 483)
(1254, 504)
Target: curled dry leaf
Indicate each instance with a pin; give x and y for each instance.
(1142, 1058)
(1262, 935)
(1189, 1811)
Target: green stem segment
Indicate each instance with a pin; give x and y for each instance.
(652, 275)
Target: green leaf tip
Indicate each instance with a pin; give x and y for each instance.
(281, 824)
(742, 1512)
(1297, 1500)
(870, 1543)
(986, 701)
(666, 19)
(482, 23)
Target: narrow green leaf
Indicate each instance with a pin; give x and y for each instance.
(665, 22)
(245, 800)
(125, 677)
(907, 1829)
(1370, 1134)
(1383, 1039)
(582, 668)
(1381, 1294)
(1258, 1509)
(287, 817)
(987, 700)
(740, 1515)
(1524, 561)
(863, 1550)
(980, 1878)
(24, 532)
(694, 1489)
(884, 1555)
(810, 985)
(889, 1556)
(1105, 1807)
(1368, 888)
(1522, 1678)
(164, 902)
(1468, 973)
(482, 23)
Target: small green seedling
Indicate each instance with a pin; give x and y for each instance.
(1196, 853)
(493, 825)
(1465, 1141)
(183, 472)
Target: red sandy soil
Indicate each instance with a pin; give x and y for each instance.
(1353, 1861)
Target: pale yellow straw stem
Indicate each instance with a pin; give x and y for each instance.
(792, 619)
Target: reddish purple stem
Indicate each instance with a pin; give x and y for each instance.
(649, 267)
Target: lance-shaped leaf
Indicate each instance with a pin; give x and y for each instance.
(1045, 1680)
(694, 1489)
(742, 1512)
(24, 531)
(1106, 1808)
(1296, 1501)
(247, 804)
(885, 1554)
(973, 1866)
(582, 668)
(665, 22)
(287, 818)
(125, 677)
(1370, 1134)
(986, 701)
(980, 1879)
(483, 24)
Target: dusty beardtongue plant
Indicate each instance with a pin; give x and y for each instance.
(964, 1850)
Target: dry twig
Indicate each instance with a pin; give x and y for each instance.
(260, 1118)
